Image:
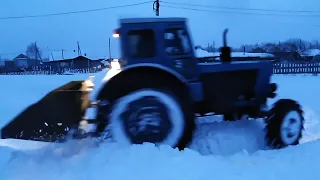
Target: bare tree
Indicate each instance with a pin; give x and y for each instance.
(210, 47)
(271, 47)
(246, 48)
(33, 51)
(258, 50)
(315, 44)
(296, 45)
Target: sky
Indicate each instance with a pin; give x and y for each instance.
(93, 29)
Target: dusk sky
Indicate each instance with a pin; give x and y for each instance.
(93, 29)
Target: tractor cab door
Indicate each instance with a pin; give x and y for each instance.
(179, 50)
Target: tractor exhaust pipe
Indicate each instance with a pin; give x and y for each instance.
(225, 55)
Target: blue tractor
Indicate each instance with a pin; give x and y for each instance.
(159, 87)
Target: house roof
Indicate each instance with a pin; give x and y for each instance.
(65, 55)
(21, 56)
(66, 60)
(312, 52)
(62, 55)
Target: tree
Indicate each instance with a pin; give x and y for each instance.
(315, 44)
(245, 48)
(258, 50)
(33, 51)
(210, 47)
(271, 47)
(296, 45)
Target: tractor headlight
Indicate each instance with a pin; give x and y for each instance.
(115, 64)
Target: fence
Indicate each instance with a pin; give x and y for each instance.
(296, 68)
(278, 68)
(53, 72)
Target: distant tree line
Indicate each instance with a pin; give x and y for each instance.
(296, 45)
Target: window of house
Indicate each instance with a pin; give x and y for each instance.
(177, 42)
(142, 43)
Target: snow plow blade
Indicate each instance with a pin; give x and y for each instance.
(51, 118)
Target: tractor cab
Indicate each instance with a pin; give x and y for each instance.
(162, 42)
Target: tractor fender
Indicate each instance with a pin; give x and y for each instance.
(134, 71)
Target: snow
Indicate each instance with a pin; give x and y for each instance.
(312, 52)
(202, 53)
(220, 150)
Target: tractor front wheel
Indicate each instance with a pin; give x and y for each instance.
(151, 115)
(284, 125)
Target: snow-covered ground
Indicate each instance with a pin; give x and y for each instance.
(220, 150)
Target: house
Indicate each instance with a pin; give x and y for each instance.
(79, 62)
(71, 60)
(311, 55)
(316, 58)
(22, 61)
(9, 64)
(97, 63)
(2, 66)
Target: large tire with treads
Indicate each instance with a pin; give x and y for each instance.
(284, 125)
(151, 113)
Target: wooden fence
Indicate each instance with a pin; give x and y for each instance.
(296, 68)
(278, 68)
(53, 72)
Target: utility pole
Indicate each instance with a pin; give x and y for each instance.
(79, 50)
(35, 50)
(52, 56)
(109, 48)
(62, 53)
(156, 7)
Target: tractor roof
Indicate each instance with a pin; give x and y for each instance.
(151, 20)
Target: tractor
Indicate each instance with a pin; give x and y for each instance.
(158, 89)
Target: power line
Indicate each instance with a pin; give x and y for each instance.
(242, 13)
(243, 9)
(73, 12)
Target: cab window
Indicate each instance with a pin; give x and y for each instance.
(142, 43)
(177, 42)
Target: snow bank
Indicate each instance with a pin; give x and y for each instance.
(202, 53)
(220, 150)
(144, 162)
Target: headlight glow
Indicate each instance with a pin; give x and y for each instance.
(115, 64)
